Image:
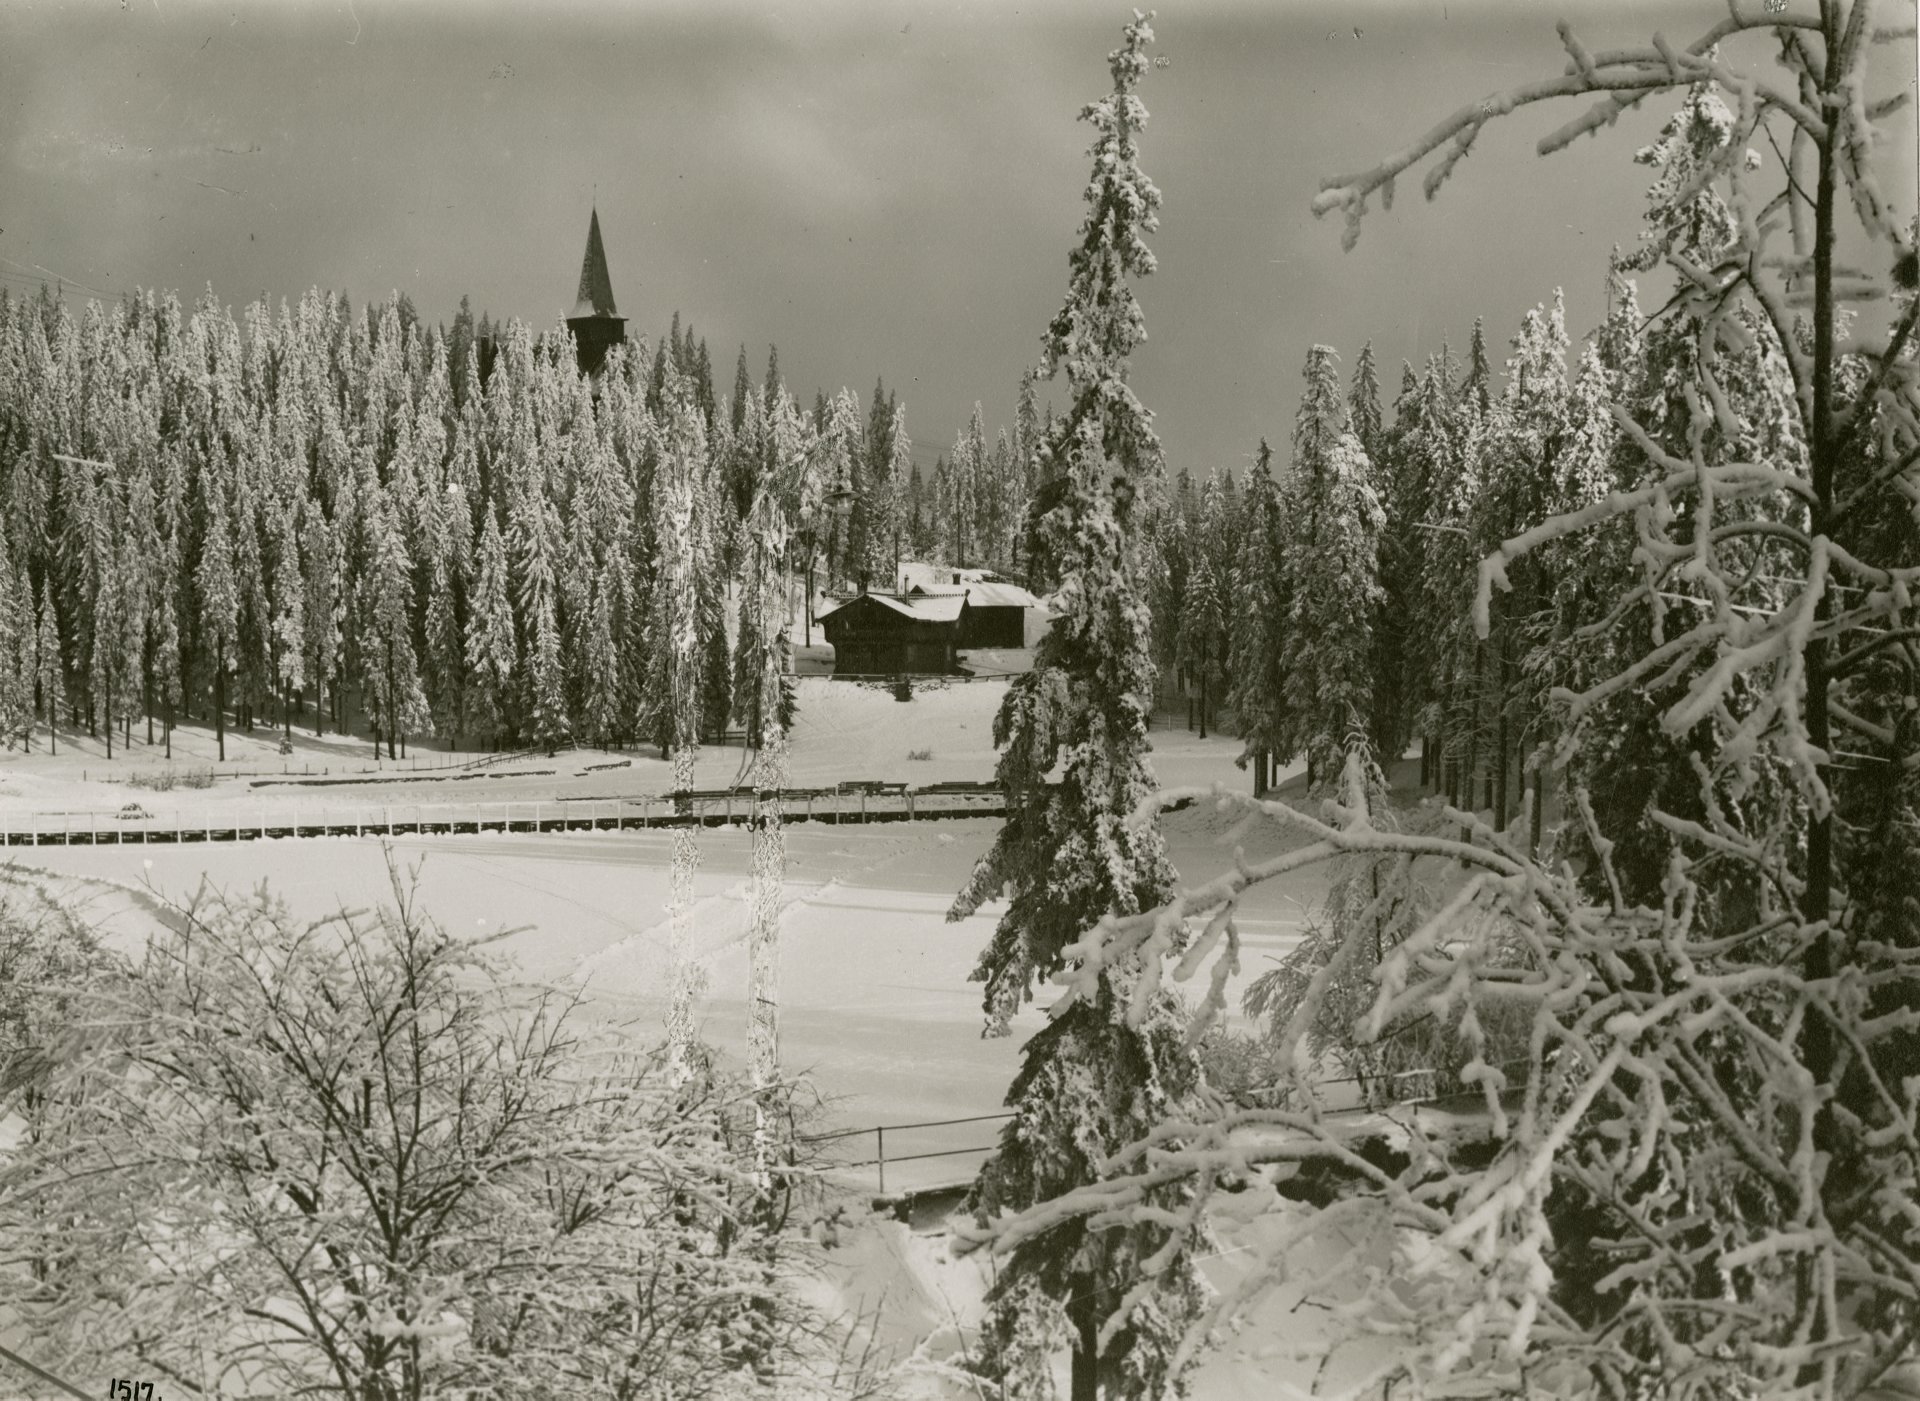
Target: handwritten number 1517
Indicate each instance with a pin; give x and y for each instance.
(124, 1390)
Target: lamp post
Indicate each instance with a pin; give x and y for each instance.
(839, 504)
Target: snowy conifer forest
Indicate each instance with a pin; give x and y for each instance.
(1432, 908)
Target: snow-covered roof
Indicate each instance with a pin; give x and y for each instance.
(989, 593)
(1000, 595)
(928, 607)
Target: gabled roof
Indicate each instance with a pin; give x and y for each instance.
(1000, 595)
(927, 608)
(595, 297)
(994, 593)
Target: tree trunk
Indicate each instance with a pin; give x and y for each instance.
(1500, 749)
(1537, 817)
(1086, 1345)
(1473, 726)
(220, 698)
(1816, 894)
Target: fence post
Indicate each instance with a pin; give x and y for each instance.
(880, 1155)
(909, 805)
(863, 805)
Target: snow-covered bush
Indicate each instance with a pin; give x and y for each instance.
(272, 1156)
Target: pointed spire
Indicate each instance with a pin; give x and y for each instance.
(595, 297)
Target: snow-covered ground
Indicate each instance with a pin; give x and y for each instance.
(876, 1013)
(877, 1008)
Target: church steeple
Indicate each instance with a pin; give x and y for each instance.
(595, 297)
(595, 324)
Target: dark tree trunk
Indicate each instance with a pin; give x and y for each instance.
(220, 698)
(1816, 895)
(1500, 750)
(1537, 817)
(1086, 1350)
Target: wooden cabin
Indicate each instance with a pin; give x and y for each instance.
(884, 634)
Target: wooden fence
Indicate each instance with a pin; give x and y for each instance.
(230, 822)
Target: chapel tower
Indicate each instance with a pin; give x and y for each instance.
(596, 326)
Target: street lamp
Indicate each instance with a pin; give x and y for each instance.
(839, 503)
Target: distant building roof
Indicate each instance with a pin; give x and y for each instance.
(994, 594)
(988, 593)
(595, 297)
(931, 608)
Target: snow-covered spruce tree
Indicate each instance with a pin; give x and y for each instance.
(535, 549)
(1332, 520)
(1203, 606)
(391, 687)
(844, 439)
(50, 668)
(886, 500)
(1397, 697)
(1363, 405)
(786, 492)
(1626, 760)
(491, 655)
(791, 457)
(1703, 1183)
(715, 530)
(1093, 1078)
(1527, 432)
(218, 607)
(16, 655)
(671, 702)
(1258, 622)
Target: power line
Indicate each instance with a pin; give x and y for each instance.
(49, 274)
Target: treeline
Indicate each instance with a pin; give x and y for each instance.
(273, 517)
(1330, 596)
(1334, 598)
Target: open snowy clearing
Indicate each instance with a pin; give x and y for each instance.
(876, 1007)
(844, 731)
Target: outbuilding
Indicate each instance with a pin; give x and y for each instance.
(997, 609)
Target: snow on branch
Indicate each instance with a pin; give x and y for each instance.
(1627, 76)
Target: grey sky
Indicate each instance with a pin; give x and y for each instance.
(880, 187)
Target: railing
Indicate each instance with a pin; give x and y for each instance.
(217, 822)
(880, 1159)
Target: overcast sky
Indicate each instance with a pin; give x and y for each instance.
(879, 187)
